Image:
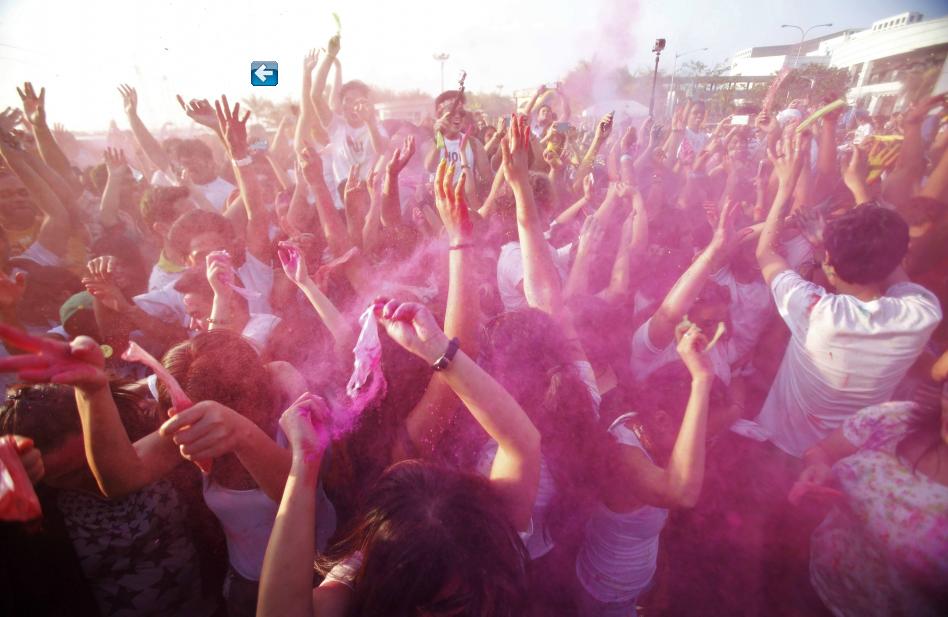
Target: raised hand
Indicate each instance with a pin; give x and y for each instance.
(401, 156)
(101, 284)
(855, 173)
(306, 424)
(34, 106)
(10, 118)
(293, 262)
(412, 326)
(629, 139)
(79, 363)
(604, 127)
(692, 348)
(219, 272)
(786, 160)
(451, 202)
(310, 61)
(129, 99)
(310, 166)
(200, 111)
(115, 161)
(726, 235)
(332, 48)
(233, 128)
(356, 193)
(515, 150)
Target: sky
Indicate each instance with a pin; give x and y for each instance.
(201, 48)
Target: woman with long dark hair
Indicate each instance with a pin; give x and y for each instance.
(428, 540)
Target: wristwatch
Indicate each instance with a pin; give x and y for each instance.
(442, 363)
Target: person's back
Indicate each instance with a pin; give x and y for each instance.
(847, 350)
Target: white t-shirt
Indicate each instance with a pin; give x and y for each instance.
(216, 191)
(41, 255)
(167, 303)
(844, 354)
(160, 278)
(750, 310)
(647, 358)
(618, 556)
(510, 273)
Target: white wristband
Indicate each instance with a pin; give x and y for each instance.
(244, 162)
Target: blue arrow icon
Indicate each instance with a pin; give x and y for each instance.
(264, 73)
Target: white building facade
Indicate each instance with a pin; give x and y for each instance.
(888, 62)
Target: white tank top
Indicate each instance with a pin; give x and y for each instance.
(452, 151)
(247, 518)
(617, 559)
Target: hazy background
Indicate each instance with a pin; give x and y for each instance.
(80, 50)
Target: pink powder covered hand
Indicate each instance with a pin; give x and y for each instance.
(223, 260)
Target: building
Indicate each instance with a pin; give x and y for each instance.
(897, 58)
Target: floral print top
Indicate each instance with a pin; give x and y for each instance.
(884, 549)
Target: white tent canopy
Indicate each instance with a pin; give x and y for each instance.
(626, 109)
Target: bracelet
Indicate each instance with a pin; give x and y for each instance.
(463, 245)
(442, 363)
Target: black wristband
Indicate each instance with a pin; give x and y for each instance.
(442, 363)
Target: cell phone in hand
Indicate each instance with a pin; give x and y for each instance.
(740, 120)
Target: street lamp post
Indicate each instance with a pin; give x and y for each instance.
(803, 34)
(442, 58)
(671, 91)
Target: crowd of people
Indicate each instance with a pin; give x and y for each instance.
(526, 365)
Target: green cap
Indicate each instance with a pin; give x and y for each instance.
(78, 302)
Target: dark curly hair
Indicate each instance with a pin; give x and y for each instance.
(866, 244)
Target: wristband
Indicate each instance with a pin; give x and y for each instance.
(244, 162)
(442, 363)
(462, 245)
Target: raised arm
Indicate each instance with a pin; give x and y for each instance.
(528, 111)
(309, 116)
(541, 281)
(294, 266)
(333, 227)
(234, 130)
(55, 228)
(632, 245)
(516, 469)
(391, 201)
(286, 580)
(428, 420)
(786, 167)
(603, 130)
(900, 183)
(143, 136)
(678, 485)
(678, 302)
(118, 171)
(318, 91)
(34, 110)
